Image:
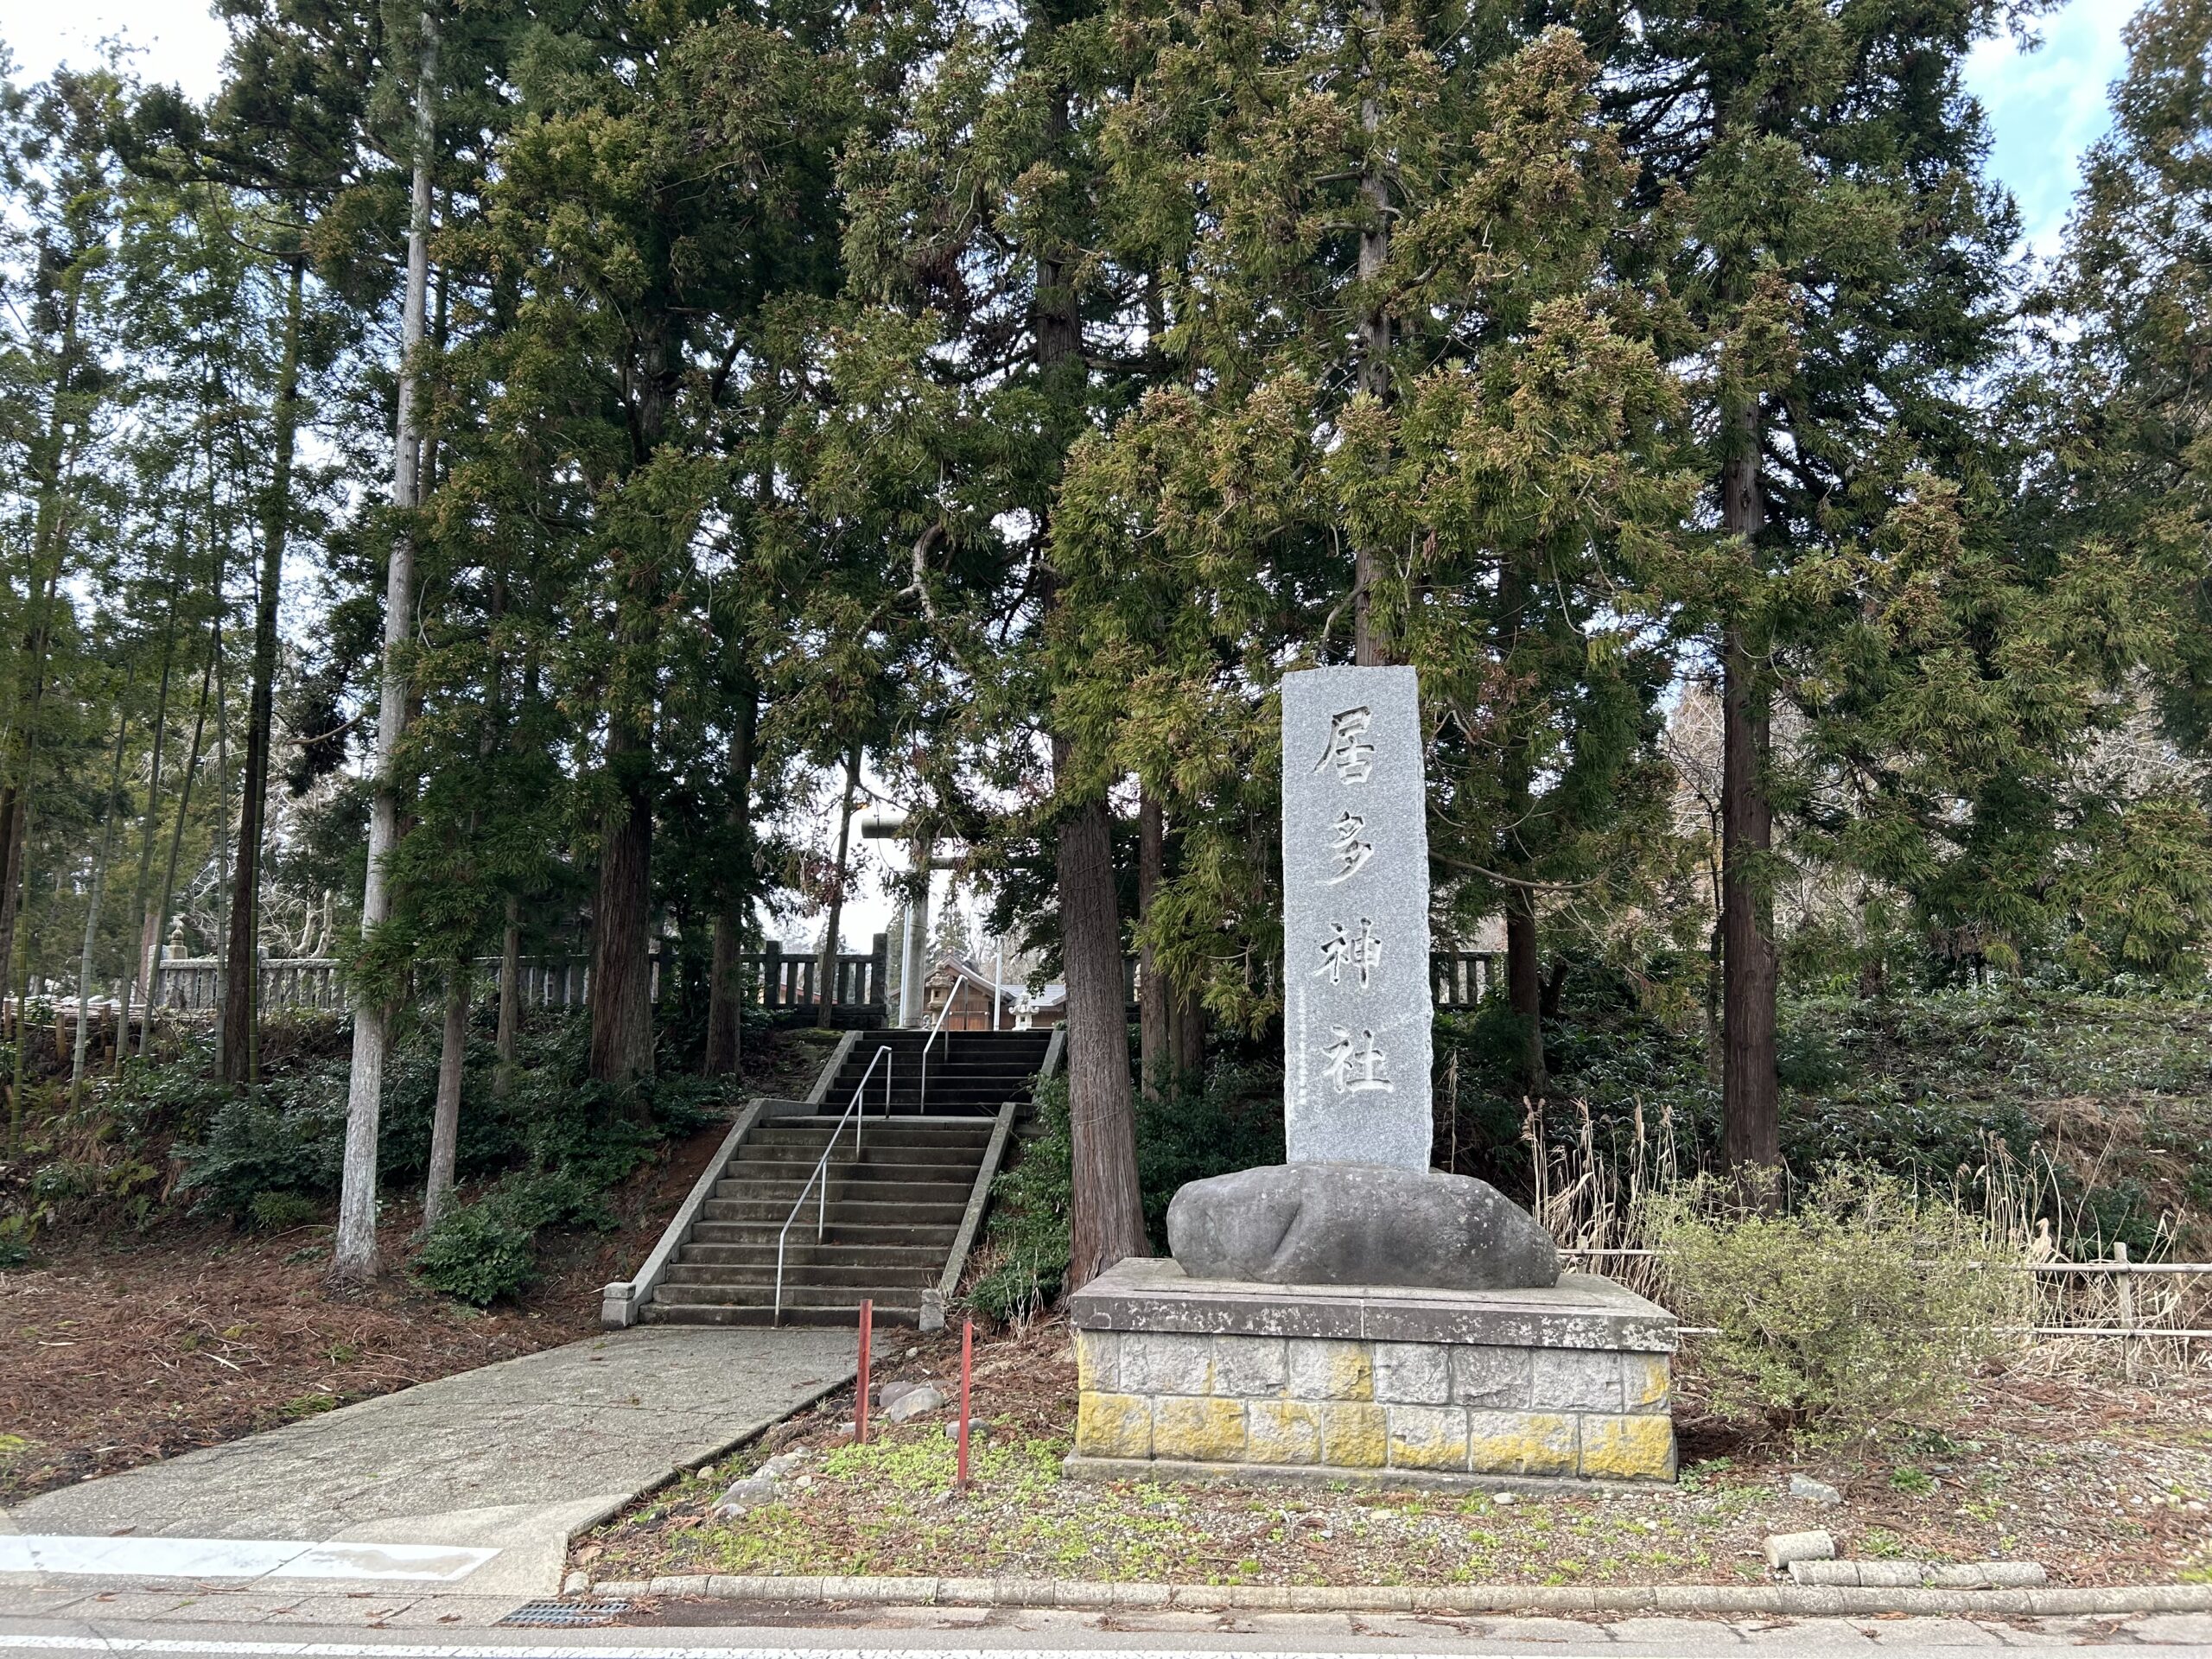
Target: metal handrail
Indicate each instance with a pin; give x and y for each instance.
(822, 1167)
(922, 1096)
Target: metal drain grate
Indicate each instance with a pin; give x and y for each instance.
(566, 1615)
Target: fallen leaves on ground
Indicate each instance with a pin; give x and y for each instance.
(2104, 1481)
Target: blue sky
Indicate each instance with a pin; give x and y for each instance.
(2046, 106)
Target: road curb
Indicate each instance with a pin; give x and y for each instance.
(1801, 1600)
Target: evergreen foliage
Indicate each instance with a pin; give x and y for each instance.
(989, 404)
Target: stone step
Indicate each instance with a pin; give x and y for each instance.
(900, 1298)
(906, 1313)
(931, 1236)
(897, 1130)
(873, 1149)
(849, 1186)
(945, 1212)
(894, 1259)
(817, 1276)
(797, 1173)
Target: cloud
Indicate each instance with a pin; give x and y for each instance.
(2046, 107)
(179, 41)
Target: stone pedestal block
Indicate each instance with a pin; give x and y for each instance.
(1383, 1385)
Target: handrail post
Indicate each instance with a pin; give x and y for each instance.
(856, 1109)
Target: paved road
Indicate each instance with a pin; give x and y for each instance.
(476, 1481)
(945, 1633)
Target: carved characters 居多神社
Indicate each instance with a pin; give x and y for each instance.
(1356, 918)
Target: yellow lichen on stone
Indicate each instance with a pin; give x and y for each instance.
(1329, 1370)
(1113, 1426)
(1428, 1436)
(1093, 1350)
(1644, 1382)
(1354, 1436)
(1199, 1430)
(1283, 1431)
(1521, 1443)
(1628, 1448)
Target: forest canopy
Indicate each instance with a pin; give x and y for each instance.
(479, 483)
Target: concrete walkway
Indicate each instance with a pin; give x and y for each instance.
(478, 1480)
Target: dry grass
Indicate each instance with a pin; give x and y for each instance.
(1595, 1203)
(2103, 1482)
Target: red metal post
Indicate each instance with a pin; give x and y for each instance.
(860, 1411)
(967, 1368)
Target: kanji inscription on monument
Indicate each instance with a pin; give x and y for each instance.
(1355, 866)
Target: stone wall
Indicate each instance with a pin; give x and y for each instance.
(1358, 1405)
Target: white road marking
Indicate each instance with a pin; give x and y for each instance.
(522, 1646)
(238, 1557)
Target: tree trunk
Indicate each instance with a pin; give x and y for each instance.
(502, 1076)
(621, 971)
(176, 840)
(1523, 971)
(1369, 646)
(1750, 1097)
(139, 945)
(725, 993)
(622, 962)
(1189, 1046)
(826, 977)
(16, 819)
(13, 803)
(445, 1116)
(93, 912)
(1107, 1219)
(52, 463)
(1154, 1059)
(353, 1254)
(1524, 988)
(241, 1013)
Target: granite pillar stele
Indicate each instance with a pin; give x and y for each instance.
(1353, 1314)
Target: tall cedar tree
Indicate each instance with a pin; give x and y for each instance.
(1466, 401)
(286, 128)
(975, 225)
(666, 180)
(1843, 274)
(57, 382)
(2124, 488)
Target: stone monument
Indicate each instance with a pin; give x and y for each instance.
(1353, 1313)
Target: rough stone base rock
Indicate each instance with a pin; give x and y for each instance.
(1358, 1224)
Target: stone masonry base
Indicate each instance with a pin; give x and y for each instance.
(1211, 1379)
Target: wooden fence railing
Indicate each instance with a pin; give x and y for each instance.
(770, 979)
(1458, 980)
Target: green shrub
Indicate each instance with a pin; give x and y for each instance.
(278, 1212)
(1232, 1120)
(487, 1250)
(1029, 1218)
(263, 1142)
(478, 1254)
(1860, 1306)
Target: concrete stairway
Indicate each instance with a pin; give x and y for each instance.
(894, 1213)
(971, 1073)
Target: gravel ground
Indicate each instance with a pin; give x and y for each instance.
(2103, 1481)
